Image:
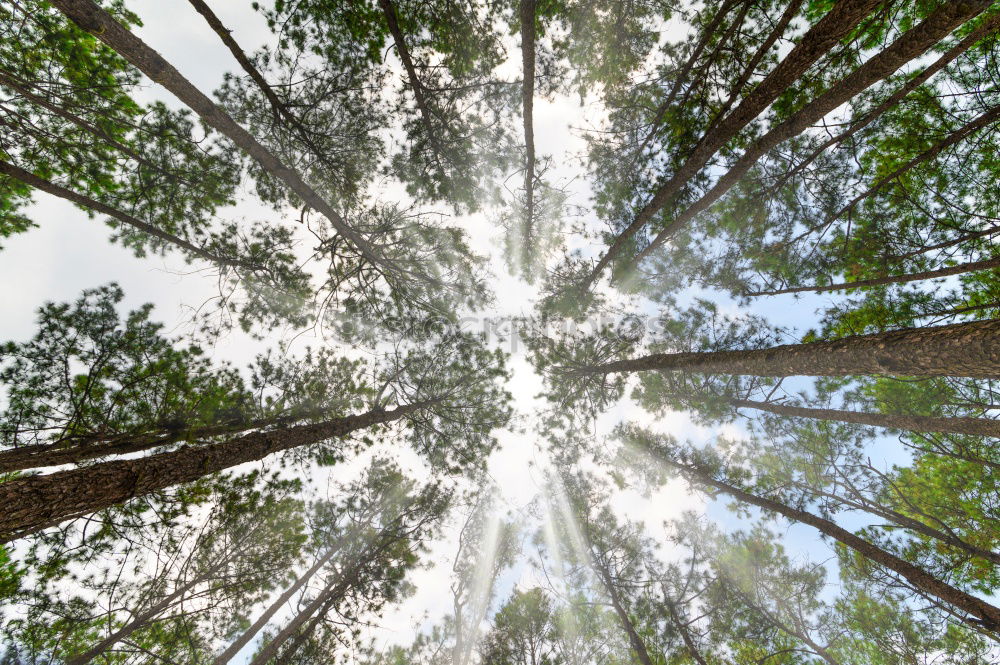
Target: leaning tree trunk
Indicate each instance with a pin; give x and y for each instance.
(29, 178)
(527, 11)
(272, 609)
(73, 450)
(969, 349)
(90, 17)
(960, 269)
(910, 45)
(896, 421)
(635, 641)
(817, 42)
(32, 503)
(987, 615)
(334, 591)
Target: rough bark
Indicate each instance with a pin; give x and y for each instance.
(271, 610)
(80, 449)
(908, 46)
(987, 615)
(48, 187)
(29, 504)
(91, 18)
(969, 349)
(527, 11)
(819, 40)
(896, 421)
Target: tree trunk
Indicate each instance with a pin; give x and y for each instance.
(91, 18)
(682, 628)
(29, 178)
(635, 641)
(896, 421)
(527, 11)
(987, 615)
(819, 40)
(78, 449)
(910, 45)
(961, 269)
(399, 39)
(969, 349)
(335, 590)
(272, 609)
(30, 503)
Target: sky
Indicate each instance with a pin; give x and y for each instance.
(69, 253)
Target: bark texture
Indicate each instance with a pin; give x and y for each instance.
(969, 349)
(986, 615)
(32, 503)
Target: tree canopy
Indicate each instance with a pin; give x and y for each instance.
(511, 332)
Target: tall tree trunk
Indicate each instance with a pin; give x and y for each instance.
(635, 641)
(272, 609)
(960, 269)
(908, 46)
(686, 637)
(342, 582)
(527, 11)
(426, 116)
(78, 449)
(961, 349)
(30, 178)
(817, 42)
(896, 421)
(681, 77)
(91, 18)
(987, 615)
(31, 503)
